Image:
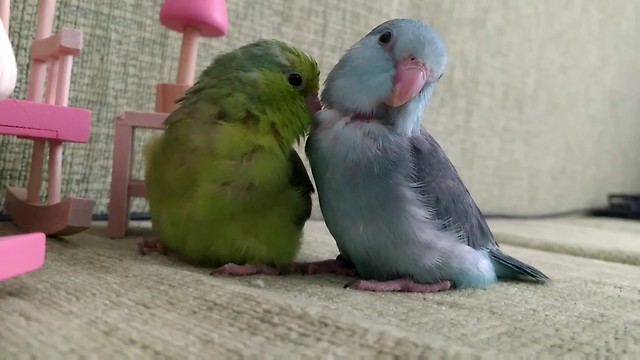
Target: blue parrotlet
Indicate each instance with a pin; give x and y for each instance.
(399, 212)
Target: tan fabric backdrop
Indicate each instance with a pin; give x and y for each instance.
(539, 110)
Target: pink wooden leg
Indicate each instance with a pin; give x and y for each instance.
(5, 10)
(52, 83)
(60, 76)
(37, 74)
(35, 172)
(46, 11)
(49, 98)
(64, 80)
(37, 71)
(35, 89)
(120, 175)
(37, 154)
(188, 57)
(55, 172)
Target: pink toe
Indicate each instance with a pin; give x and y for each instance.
(232, 269)
(399, 285)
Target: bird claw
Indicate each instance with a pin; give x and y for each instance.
(151, 244)
(232, 269)
(398, 285)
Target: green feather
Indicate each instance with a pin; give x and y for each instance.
(223, 182)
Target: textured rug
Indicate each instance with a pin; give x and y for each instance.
(98, 297)
(598, 238)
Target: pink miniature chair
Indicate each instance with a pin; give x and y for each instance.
(194, 18)
(19, 254)
(50, 121)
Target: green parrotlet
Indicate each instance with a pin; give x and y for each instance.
(225, 186)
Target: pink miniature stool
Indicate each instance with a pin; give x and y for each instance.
(50, 121)
(193, 18)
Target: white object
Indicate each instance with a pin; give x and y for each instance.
(8, 66)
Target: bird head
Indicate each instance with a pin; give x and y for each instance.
(267, 84)
(389, 74)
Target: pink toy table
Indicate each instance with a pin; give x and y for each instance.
(193, 18)
(45, 118)
(21, 254)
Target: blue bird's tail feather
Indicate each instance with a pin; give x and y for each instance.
(512, 268)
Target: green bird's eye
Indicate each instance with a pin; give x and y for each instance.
(295, 80)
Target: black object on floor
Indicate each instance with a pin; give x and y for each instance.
(577, 212)
(624, 206)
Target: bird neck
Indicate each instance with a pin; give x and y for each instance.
(406, 119)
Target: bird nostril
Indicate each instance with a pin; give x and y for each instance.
(413, 58)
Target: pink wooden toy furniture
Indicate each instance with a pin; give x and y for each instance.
(19, 254)
(193, 18)
(45, 118)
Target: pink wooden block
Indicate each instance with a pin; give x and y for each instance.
(208, 16)
(66, 42)
(166, 96)
(21, 254)
(69, 216)
(143, 120)
(44, 121)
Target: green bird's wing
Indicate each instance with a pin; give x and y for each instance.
(300, 180)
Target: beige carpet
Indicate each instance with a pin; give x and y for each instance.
(97, 297)
(598, 238)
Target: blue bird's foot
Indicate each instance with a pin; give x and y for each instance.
(333, 266)
(399, 285)
(232, 269)
(152, 244)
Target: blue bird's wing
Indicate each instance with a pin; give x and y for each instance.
(441, 189)
(439, 184)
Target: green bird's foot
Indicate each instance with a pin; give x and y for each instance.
(153, 244)
(399, 285)
(232, 269)
(338, 266)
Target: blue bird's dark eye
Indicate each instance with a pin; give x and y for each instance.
(385, 38)
(295, 80)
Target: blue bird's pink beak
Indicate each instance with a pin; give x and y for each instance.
(410, 77)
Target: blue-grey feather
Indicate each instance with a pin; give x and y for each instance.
(437, 178)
